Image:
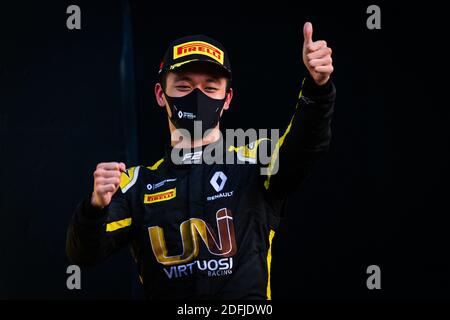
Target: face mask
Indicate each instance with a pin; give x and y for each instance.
(198, 107)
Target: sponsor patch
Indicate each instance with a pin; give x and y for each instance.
(160, 196)
(198, 47)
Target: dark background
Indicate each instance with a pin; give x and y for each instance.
(71, 99)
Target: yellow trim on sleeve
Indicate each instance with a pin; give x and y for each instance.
(269, 262)
(280, 143)
(115, 225)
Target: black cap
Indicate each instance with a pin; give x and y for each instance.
(195, 48)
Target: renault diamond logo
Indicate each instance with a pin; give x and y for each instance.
(218, 180)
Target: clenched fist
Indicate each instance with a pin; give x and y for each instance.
(106, 182)
(316, 56)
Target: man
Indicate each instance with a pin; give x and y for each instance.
(196, 229)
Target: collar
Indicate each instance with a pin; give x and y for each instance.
(205, 154)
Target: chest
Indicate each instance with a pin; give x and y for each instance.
(200, 192)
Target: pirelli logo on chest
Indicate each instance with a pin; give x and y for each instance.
(160, 196)
(198, 47)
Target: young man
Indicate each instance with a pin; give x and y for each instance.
(204, 230)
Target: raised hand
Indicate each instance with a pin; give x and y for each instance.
(316, 56)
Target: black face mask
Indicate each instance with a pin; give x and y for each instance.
(198, 107)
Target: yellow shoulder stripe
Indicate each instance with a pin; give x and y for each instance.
(248, 152)
(156, 165)
(128, 178)
(115, 225)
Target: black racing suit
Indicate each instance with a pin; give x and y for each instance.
(201, 230)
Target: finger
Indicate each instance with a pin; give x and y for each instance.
(105, 189)
(320, 62)
(316, 45)
(307, 33)
(107, 173)
(108, 166)
(324, 69)
(122, 167)
(326, 51)
(105, 181)
(110, 173)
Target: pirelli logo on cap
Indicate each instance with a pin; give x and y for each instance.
(160, 196)
(198, 47)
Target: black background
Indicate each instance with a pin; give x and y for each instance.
(71, 99)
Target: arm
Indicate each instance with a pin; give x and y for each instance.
(305, 140)
(308, 134)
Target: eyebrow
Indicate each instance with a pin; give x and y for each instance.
(214, 80)
(182, 78)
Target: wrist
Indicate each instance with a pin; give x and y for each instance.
(313, 89)
(322, 82)
(94, 203)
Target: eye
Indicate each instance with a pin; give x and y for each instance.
(211, 89)
(183, 88)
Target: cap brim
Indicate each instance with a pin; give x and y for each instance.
(182, 64)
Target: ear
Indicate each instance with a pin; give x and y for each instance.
(159, 94)
(228, 99)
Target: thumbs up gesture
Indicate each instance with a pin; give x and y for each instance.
(316, 56)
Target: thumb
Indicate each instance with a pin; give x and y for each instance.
(307, 33)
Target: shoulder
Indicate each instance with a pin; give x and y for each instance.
(128, 178)
(249, 152)
(132, 175)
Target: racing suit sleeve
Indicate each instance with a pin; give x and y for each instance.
(305, 140)
(94, 234)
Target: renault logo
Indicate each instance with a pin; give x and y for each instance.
(218, 180)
